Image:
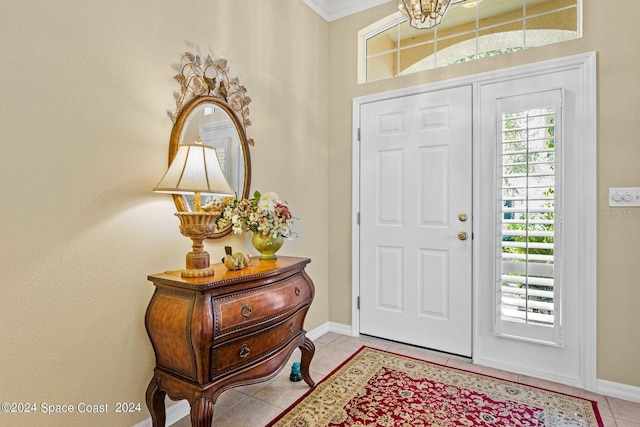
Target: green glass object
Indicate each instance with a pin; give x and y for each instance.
(295, 372)
(267, 245)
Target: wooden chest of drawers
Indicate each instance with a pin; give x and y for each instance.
(234, 328)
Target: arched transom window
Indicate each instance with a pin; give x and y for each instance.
(471, 29)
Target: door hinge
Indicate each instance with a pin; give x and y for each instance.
(358, 303)
(358, 218)
(358, 134)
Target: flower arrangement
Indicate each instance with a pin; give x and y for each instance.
(264, 213)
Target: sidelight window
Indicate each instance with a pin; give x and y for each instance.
(529, 242)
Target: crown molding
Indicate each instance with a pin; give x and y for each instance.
(331, 10)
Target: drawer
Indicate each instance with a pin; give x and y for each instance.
(265, 303)
(244, 350)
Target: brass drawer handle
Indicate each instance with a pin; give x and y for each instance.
(292, 327)
(246, 310)
(297, 290)
(244, 351)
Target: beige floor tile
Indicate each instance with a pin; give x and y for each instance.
(623, 423)
(229, 400)
(326, 338)
(250, 412)
(623, 410)
(609, 422)
(328, 358)
(281, 392)
(183, 422)
(603, 403)
(355, 343)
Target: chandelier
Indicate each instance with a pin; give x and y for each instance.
(423, 14)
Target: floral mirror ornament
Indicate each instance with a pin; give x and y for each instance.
(213, 109)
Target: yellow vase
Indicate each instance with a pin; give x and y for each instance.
(267, 245)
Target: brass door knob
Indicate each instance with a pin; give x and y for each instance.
(463, 217)
(462, 235)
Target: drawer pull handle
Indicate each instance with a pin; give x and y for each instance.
(244, 351)
(297, 290)
(246, 310)
(292, 327)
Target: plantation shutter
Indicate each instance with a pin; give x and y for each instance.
(529, 285)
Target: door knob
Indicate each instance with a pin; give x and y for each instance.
(462, 235)
(462, 217)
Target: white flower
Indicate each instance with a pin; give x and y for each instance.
(268, 205)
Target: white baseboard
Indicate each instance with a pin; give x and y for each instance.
(620, 391)
(319, 331)
(181, 409)
(174, 413)
(341, 329)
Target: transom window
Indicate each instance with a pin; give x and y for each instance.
(470, 30)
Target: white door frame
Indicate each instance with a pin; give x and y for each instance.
(586, 63)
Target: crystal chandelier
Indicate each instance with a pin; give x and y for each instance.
(423, 14)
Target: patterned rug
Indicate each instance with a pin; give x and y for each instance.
(375, 388)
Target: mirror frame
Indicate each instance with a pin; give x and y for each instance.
(176, 131)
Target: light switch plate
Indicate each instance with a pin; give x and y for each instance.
(624, 196)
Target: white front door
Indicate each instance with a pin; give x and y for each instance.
(415, 219)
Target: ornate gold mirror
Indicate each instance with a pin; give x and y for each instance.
(213, 109)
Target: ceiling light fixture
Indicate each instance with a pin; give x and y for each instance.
(470, 3)
(423, 14)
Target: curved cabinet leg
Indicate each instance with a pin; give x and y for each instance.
(201, 413)
(155, 403)
(307, 349)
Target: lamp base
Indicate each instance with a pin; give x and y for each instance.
(197, 226)
(197, 262)
(200, 272)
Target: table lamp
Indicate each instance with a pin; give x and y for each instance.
(195, 169)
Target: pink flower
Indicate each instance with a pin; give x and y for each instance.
(283, 211)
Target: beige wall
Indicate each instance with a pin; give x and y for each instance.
(85, 88)
(617, 41)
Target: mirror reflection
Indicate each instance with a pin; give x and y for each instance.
(213, 121)
(214, 127)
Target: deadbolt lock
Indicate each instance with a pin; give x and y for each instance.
(462, 235)
(462, 217)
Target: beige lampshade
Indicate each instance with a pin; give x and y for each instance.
(195, 169)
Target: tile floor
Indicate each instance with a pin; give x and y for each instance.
(256, 405)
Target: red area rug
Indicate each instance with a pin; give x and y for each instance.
(375, 388)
